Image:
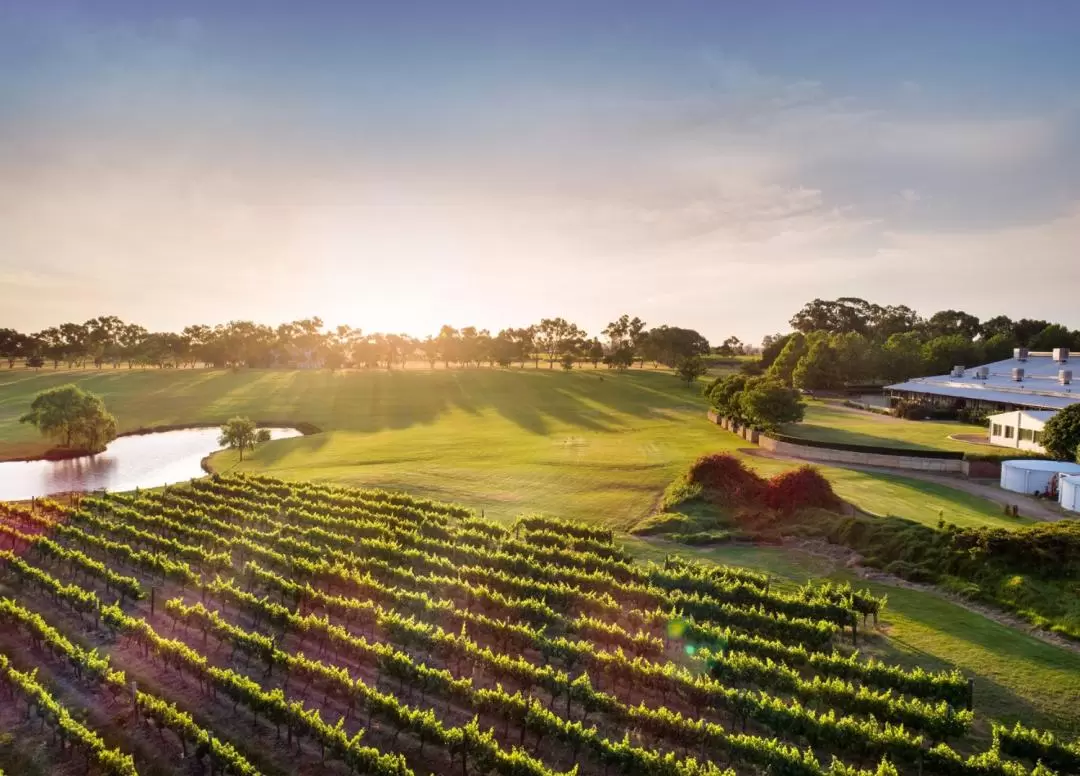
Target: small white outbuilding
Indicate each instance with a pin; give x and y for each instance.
(1030, 476)
(1022, 429)
(1069, 492)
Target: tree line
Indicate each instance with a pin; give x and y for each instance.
(850, 341)
(108, 341)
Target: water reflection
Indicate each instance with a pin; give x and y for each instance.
(143, 461)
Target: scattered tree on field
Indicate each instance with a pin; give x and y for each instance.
(732, 346)
(76, 419)
(668, 345)
(557, 337)
(238, 433)
(691, 368)
(595, 352)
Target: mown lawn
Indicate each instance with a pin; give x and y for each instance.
(830, 423)
(1017, 677)
(592, 445)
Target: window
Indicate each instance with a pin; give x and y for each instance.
(1026, 435)
(1038, 437)
(996, 430)
(1008, 432)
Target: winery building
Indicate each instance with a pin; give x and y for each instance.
(1027, 381)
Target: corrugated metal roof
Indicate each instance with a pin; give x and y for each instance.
(1019, 398)
(1040, 387)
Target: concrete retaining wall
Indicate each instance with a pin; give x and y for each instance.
(982, 469)
(829, 455)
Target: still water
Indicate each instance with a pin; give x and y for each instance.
(141, 461)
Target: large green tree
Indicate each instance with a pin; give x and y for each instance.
(74, 418)
(817, 370)
(1061, 436)
(783, 367)
(766, 404)
(943, 353)
(1053, 336)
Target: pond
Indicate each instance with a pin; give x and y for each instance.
(137, 461)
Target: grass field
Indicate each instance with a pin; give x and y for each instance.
(587, 444)
(831, 423)
(1018, 678)
(572, 444)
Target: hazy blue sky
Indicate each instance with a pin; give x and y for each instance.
(400, 165)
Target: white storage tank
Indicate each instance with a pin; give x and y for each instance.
(1032, 476)
(1069, 492)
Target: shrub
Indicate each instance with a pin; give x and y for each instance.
(974, 416)
(909, 571)
(725, 474)
(802, 488)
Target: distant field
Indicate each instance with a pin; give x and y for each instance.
(592, 445)
(831, 423)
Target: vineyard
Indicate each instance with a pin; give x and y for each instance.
(246, 625)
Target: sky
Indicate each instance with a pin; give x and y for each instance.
(397, 166)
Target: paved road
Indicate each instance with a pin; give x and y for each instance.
(1029, 507)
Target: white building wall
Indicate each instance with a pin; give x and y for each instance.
(1005, 431)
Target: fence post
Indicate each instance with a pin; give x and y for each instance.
(971, 694)
(153, 592)
(854, 628)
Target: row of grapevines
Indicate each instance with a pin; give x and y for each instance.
(888, 708)
(624, 579)
(466, 743)
(190, 552)
(44, 547)
(557, 531)
(348, 495)
(949, 686)
(153, 562)
(110, 761)
(666, 679)
(938, 720)
(296, 500)
(89, 665)
(824, 730)
(526, 580)
(239, 688)
(527, 712)
(1035, 745)
(523, 584)
(616, 577)
(546, 537)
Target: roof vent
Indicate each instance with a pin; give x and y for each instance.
(957, 371)
(1020, 354)
(1065, 376)
(982, 373)
(1061, 355)
(1018, 374)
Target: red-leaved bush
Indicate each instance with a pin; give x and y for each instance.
(728, 475)
(800, 489)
